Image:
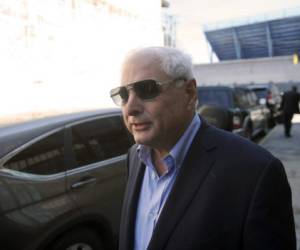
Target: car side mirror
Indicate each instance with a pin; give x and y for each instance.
(262, 101)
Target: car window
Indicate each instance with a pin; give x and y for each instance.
(261, 92)
(43, 157)
(99, 140)
(241, 98)
(275, 90)
(218, 97)
(252, 99)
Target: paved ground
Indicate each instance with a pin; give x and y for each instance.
(288, 151)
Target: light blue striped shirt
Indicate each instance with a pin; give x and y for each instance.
(155, 189)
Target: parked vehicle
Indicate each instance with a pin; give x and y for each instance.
(233, 108)
(269, 95)
(62, 181)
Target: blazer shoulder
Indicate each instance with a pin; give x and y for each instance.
(232, 145)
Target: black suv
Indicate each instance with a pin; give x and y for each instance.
(233, 108)
(269, 94)
(62, 181)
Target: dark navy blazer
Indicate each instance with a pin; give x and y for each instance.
(229, 194)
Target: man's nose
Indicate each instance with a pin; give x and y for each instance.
(134, 105)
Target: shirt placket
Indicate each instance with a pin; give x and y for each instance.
(160, 190)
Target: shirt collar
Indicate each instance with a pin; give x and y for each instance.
(180, 149)
(178, 152)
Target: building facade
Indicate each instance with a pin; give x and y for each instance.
(279, 70)
(66, 54)
(169, 24)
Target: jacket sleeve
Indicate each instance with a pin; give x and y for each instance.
(270, 221)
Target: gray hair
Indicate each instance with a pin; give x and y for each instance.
(173, 62)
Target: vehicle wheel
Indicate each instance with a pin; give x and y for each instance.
(271, 122)
(78, 239)
(266, 128)
(248, 133)
(279, 118)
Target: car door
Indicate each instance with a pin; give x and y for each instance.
(257, 113)
(33, 191)
(96, 180)
(248, 115)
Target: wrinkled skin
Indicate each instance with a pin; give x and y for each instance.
(160, 122)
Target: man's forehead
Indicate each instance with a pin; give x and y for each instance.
(141, 60)
(140, 68)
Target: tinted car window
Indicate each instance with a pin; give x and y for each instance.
(252, 99)
(261, 93)
(275, 90)
(43, 157)
(218, 97)
(99, 140)
(241, 98)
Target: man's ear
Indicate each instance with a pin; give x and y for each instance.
(191, 91)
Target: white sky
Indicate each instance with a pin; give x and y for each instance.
(192, 14)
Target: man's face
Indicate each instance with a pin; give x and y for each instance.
(157, 123)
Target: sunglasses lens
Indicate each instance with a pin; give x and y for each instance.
(123, 94)
(147, 89)
(119, 95)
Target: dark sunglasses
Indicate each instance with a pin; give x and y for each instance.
(145, 90)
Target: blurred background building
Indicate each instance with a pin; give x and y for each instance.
(60, 55)
(169, 25)
(65, 55)
(257, 49)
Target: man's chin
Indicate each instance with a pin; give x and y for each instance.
(142, 140)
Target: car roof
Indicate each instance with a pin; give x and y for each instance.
(259, 86)
(13, 136)
(224, 87)
(214, 87)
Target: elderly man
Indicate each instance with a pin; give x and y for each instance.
(190, 185)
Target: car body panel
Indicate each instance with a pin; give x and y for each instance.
(100, 182)
(14, 135)
(240, 103)
(28, 204)
(38, 208)
(270, 93)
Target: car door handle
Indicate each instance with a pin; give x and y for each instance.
(83, 182)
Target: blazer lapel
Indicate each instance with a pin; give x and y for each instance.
(131, 200)
(192, 173)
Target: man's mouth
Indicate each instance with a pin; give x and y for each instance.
(140, 126)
